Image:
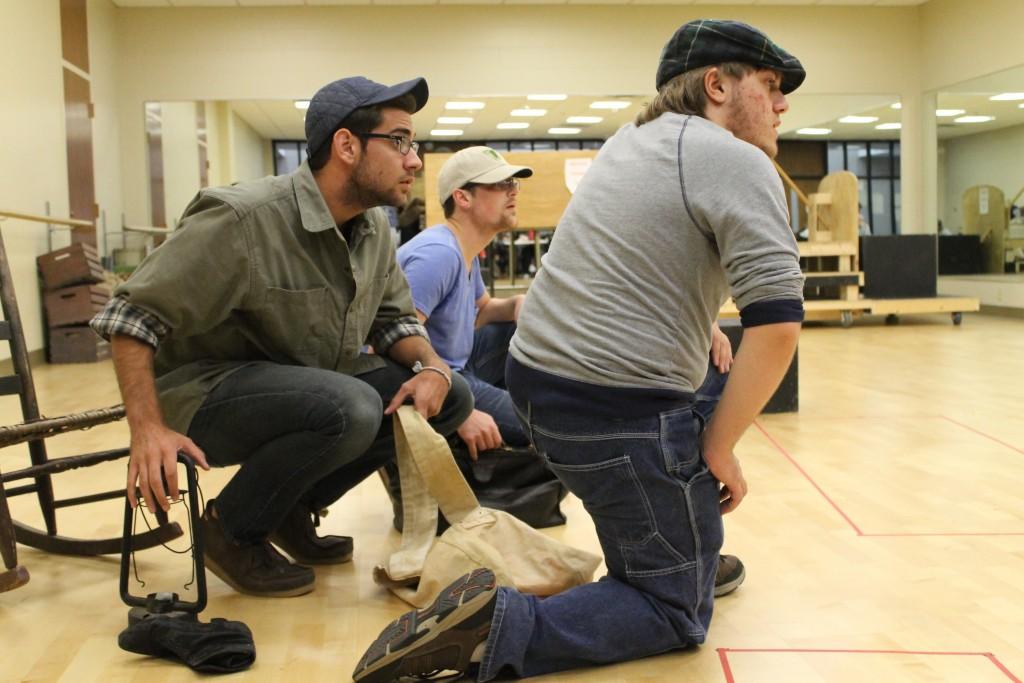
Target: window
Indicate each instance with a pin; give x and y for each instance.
(288, 155)
(877, 166)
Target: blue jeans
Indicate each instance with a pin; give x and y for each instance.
(485, 374)
(301, 435)
(655, 507)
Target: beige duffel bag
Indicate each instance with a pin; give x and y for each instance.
(518, 554)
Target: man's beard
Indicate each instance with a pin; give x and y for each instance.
(364, 191)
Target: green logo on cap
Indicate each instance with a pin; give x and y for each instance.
(497, 157)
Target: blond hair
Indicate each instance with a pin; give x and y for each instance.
(685, 94)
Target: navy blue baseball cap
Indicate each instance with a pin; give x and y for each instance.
(336, 101)
(707, 42)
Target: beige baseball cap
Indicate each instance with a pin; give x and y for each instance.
(475, 165)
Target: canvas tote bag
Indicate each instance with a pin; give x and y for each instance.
(519, 555)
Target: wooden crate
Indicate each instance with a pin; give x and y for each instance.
(77, 345)
(74, 305)
(72, 265)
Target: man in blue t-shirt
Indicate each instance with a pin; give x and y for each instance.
(468, 328)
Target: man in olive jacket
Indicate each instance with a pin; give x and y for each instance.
(241, 341)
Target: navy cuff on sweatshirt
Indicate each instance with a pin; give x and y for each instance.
(770, 312)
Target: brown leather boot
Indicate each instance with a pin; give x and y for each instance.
(297, 537)
(252, 568)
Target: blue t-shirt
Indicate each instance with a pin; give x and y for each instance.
(443, 291)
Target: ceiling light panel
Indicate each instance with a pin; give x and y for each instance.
(528, 112)
(1008, 97)
(446, 133)
(302, 104)
(948, 112)
(814, 131)
(553, 97)
(584, 119)
(564, 131)
(463, 106)
(888, 126)
(513, 125)
(858, 119)
(456, 120)
(609, 104)
(974, 119)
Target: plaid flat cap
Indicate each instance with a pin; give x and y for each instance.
(706, 42)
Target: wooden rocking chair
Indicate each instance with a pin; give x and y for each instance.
(34, 430)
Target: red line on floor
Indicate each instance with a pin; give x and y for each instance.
(723, 656)
(808, 477)
(987, 436)
(726, 669)
(947, 533)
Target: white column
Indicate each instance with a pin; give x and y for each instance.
(919, 180)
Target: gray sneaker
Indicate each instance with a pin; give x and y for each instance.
(729, 576)
(441, 637)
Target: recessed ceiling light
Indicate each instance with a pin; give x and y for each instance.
(454, 119)
(1008, 97)
(446, 132)
(948, 112)
(302, 104)
(463, 105)
(513, 125)
(974, 119)
(584, 119)
(564, 131)
(889, 126)
(529, 112)
(610, 104)
(1020, 106)
(896, 105)
(858, 119)
(547, 98)
(814, 131)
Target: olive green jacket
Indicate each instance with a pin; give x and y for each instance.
(259, 272)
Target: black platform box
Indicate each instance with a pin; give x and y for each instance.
(899, 266)
(786, 398)
(959, 254)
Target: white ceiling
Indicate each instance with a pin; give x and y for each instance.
(972, 96)
(279, 119)
(320, 3)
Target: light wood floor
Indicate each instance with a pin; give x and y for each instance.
(883, 535)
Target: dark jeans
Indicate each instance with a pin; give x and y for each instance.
(655, 508)
(485, 374)
(302, 435)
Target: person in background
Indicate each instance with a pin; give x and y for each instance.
(468, 327)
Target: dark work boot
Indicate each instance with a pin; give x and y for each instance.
(729, 576)
(297, 536)
(252, 568)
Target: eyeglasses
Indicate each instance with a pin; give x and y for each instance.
(506, 185)
(401, 142)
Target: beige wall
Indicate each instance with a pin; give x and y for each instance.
(181, 157)
(249, 152)
(995, 158)
(964, 39)
(33, 158)
(220, 53)
(212, 54)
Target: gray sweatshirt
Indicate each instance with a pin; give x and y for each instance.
(672, 218)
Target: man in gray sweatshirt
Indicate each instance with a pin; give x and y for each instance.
(680, 210)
